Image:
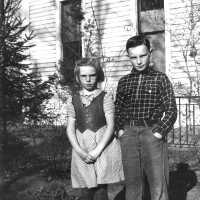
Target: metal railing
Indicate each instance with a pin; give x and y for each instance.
(186, 131)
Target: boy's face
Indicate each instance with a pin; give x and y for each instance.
(139, 57)
(88, 77)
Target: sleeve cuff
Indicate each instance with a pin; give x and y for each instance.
(158, 129)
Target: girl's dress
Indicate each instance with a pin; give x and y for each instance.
(108, 166)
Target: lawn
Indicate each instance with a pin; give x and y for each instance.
(36, 166)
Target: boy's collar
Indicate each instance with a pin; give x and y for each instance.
(145, 71)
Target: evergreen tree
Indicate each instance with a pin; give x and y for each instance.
(22, 91)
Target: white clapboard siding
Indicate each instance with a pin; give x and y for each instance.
(113, 17)
(179, 17)
(42, 17)
(42, 4)
(111, 21)
(181, 3)
(44, 68)
(102, 2)
(100, 6)
(39, 10)
(104, 15)
(180, 12)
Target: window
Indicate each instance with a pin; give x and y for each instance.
(151, 16)
(151, 4)
(71, 37)
(151, 23)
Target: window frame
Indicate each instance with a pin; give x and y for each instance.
(59, 37)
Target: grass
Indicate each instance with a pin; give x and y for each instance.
(36, 166)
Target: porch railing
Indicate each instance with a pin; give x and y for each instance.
(186, 131)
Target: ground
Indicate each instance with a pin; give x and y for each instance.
(36, 182)
(17, 189)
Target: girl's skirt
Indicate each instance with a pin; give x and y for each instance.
(107, 168)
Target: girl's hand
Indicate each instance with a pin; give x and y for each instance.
(87, 158)
(120, 133)
(90, 159)
(94, 154)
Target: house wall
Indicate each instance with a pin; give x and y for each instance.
(115, 18)
(42, 17)
(116, 23)
(178, 22)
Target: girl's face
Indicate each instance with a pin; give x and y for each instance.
(88, 77)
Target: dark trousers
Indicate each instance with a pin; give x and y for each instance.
(98, 193)
(143, 153)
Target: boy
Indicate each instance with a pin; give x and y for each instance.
(145, 111)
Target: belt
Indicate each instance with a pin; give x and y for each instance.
(142, 122)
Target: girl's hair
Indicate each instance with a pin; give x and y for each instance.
(93, 62)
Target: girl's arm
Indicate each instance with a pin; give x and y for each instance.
(71, 133)
(109, 115)
(106, 136)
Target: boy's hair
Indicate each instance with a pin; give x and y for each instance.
(94, 62)
(137, 41)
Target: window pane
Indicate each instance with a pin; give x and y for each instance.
(70, 22)
(152, 20)
(151, 15)
(71, 53)
(151, 4)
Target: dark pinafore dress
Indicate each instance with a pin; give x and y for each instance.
(90, 127)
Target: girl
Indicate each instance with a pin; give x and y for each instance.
(96, 154)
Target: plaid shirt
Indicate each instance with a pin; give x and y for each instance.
(146, 95)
